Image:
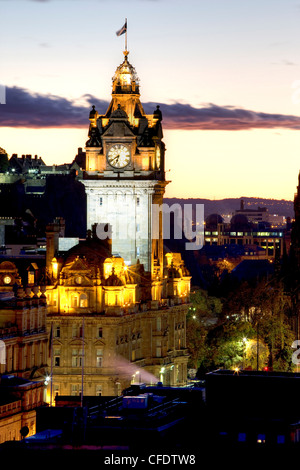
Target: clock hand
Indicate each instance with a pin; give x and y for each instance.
(116, 158)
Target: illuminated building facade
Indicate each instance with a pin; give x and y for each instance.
(19, 400)
(125, 172)
(241, 232)
(23, 351)
(117, 305)
(22, 324)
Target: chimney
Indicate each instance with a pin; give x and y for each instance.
(52, 235)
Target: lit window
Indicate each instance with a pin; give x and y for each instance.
(31, 278)
(74, 301)
(261, 438)
(83, 301)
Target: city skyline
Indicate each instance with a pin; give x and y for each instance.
(226, 78)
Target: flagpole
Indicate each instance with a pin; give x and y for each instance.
(126, 35)
(82, 362)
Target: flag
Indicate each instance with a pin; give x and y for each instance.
(122, 30)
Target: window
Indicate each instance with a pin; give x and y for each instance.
(74, 301)
(56, 357)
(74, 331)
(261, 438)
(31, 278)
(137, 251)
(99, 358)
(100, 201)
(74, 389)
(57, 332)
(77, 357)
(100, 332)
(137, 201)
(98, 390)
(83, 301)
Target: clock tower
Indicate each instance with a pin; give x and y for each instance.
(125, 174)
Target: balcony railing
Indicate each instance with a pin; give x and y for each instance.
(10, 408)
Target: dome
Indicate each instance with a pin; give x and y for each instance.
(212, 221)
(93, 250)
(7, 266)
(240, 222)
(125, 75)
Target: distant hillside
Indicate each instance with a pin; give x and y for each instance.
(228, 206)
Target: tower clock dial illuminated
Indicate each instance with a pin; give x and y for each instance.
(118, 156)
(7, 279)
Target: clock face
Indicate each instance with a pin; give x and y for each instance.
(78, 279)
(118, 156)
(7, 279)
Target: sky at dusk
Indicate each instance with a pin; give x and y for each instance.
(226, 74)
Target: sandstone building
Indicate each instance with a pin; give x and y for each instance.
(117, 302)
